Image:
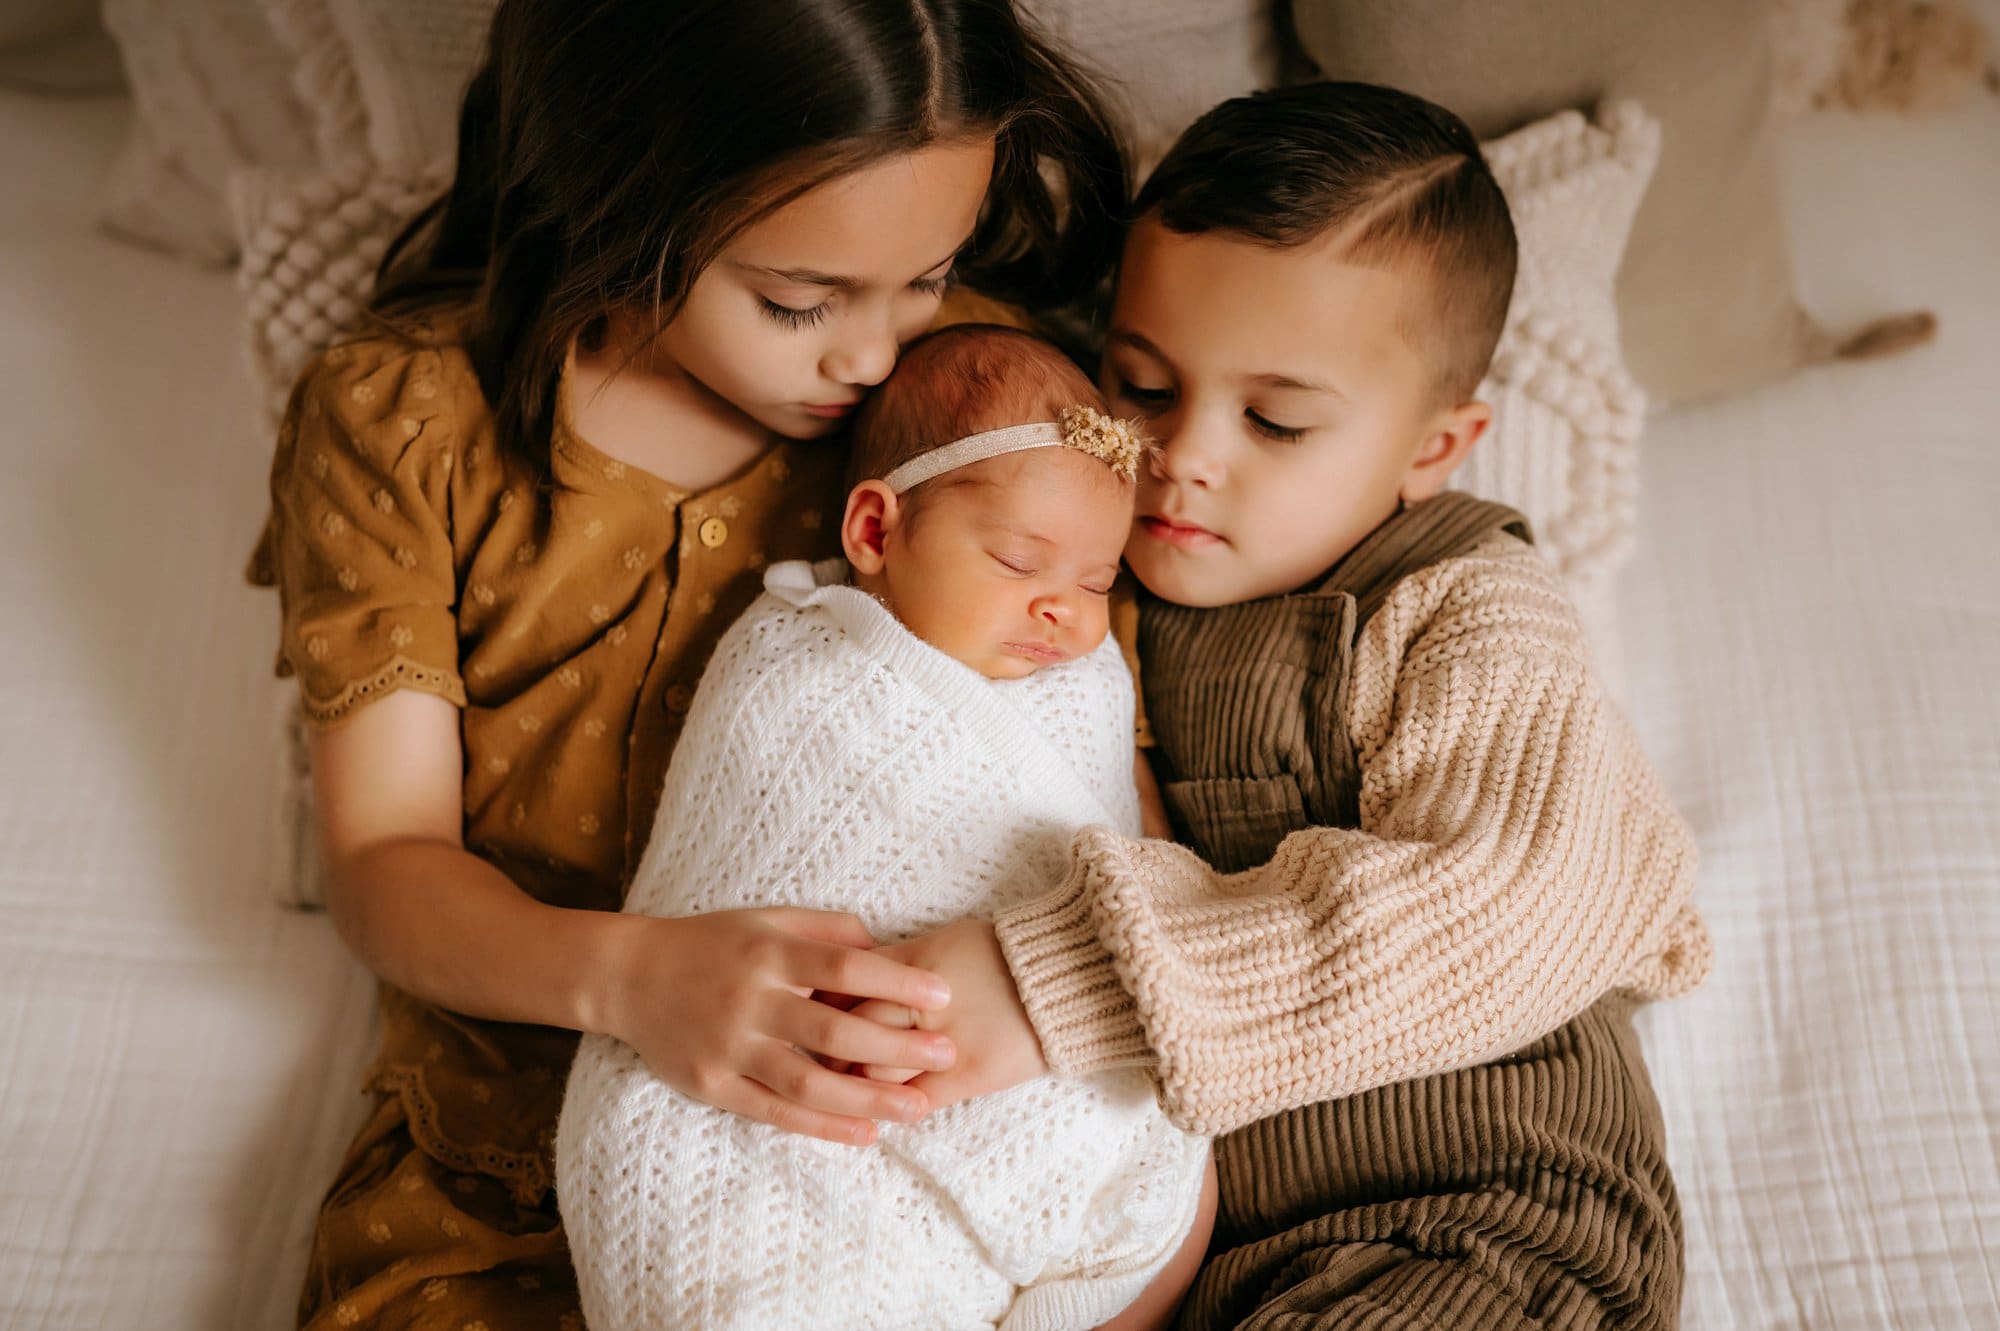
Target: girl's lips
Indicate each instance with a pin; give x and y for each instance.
(1181, 538)
(832, 411)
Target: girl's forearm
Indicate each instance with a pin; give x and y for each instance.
(447, 927)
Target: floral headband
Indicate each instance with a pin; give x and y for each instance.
(1116, 443)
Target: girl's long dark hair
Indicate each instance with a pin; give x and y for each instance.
(609, 149)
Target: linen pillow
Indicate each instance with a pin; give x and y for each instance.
(1706, 297)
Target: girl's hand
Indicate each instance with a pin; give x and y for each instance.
(720, 1007)
(997, 1047)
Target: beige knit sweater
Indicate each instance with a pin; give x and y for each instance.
(1516, 860)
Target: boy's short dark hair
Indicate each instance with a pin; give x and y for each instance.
(1401, 180)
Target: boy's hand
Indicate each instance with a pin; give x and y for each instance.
(985, 1021)
(896, 1017)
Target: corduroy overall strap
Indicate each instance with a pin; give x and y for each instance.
(1248, 702)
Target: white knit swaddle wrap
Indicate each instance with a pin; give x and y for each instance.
(834, 760)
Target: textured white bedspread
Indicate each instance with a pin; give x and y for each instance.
(1812, 650)
(1812, 653)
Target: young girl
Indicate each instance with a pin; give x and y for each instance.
(915, 733)
(509, 524)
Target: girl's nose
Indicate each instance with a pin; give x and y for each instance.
(1185, 456)
(863, 357)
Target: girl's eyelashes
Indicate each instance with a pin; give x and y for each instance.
(1271, 429)
(792, 318)
(1145, 397)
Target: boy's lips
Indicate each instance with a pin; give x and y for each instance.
(1180, 535)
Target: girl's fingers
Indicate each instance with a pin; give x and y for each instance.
(846, 970)
(852, 1038)
(804, 1084)
(828, 926)
(758, 1102)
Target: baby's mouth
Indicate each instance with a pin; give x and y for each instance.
(1040, 652)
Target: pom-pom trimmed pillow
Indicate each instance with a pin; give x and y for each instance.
(1567, 414)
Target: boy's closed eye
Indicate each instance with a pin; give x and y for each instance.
(1270, 429)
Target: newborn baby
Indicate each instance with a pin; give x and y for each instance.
(914, 734)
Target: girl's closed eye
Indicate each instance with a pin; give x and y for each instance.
(794, 318)
(932, 286)
(1143, 397)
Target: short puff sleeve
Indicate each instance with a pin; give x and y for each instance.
(357, 543)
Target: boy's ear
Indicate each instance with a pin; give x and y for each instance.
(873, 510)
(1452, 434)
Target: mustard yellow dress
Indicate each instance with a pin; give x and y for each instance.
(570, 618)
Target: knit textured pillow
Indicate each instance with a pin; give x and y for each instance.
(1567, 413)
(380, 81)
(212, 95)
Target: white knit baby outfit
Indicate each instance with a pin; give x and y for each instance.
(832, 759)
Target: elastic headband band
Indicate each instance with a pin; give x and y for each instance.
(1115, 443)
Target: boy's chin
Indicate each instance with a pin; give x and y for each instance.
(1200, 583)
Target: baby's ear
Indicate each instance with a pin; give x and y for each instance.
(1450, 436)
(873, 510)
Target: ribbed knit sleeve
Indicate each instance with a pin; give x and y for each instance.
(1516, 860)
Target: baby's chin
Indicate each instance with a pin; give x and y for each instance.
(1179, 579)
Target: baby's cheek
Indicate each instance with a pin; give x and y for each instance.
(1093, 626)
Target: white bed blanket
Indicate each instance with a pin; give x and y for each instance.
(1812, 648)
(834, 760)
(1812, 632)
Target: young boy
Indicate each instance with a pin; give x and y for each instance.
(1432, 870)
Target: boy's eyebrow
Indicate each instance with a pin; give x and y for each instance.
(1139, 343)
(1306, 385)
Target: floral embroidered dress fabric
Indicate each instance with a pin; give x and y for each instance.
(569, 618)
